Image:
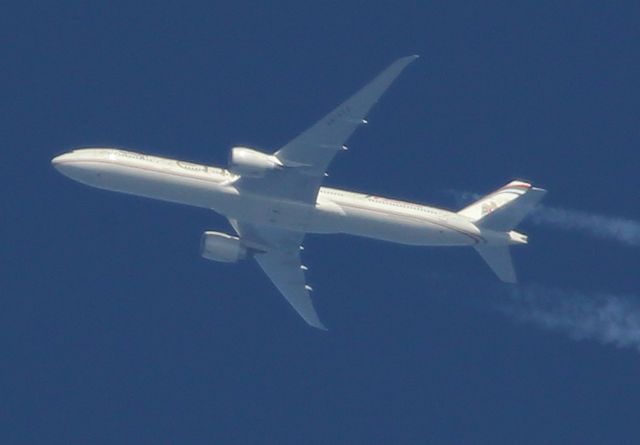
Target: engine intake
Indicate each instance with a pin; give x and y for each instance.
(221, 247)
(251, 163)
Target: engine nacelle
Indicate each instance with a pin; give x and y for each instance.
(251, 163)
(221, 247)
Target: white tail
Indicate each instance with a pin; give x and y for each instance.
(502, 211)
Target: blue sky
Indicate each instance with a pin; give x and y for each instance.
(114, 330)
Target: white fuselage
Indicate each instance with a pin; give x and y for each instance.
(335, 211)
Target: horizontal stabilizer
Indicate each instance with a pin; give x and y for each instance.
(499, 260)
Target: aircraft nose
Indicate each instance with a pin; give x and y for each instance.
(70, 164)
(80, 165)
(58, 161)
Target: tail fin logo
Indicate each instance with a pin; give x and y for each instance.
(503, 209)
(488, 207)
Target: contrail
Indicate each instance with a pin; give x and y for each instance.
(606, 318)
(624, 231)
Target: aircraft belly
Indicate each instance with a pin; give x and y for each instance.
(164, 186)
(403, 229)
(324, 217)
(262, 210)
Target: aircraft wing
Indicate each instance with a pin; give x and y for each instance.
(278, 254)
(307, 156)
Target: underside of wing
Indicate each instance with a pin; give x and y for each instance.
(305, 158)
(285, 271)
(277, 251)
(316, 147)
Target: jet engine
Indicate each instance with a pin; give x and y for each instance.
(221, 247)
(251, 163)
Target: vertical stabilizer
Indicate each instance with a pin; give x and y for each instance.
(499, 260)
(503, 209)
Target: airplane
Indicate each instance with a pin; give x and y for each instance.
(272, 200)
